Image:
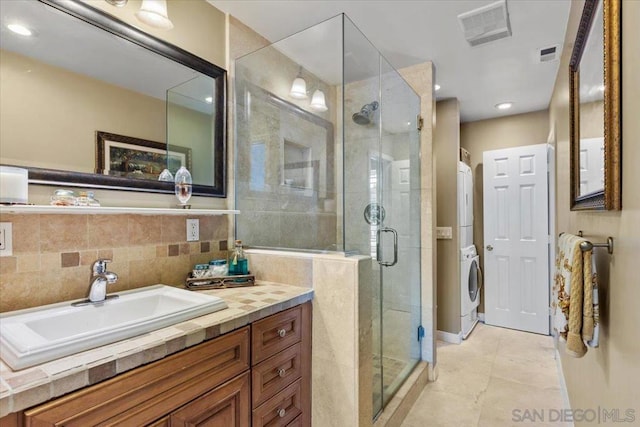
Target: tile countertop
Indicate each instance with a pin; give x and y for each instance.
(28, 387)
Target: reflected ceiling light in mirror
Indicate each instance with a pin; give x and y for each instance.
(117, 3)
(298, 87)
(318, 102)
(209, 99)
(436, 87)
(20, 29)
(504, 105)
(154, 13)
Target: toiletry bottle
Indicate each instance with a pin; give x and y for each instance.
(238, 263)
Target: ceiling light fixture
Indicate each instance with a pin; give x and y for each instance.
(436, 87)
(299, 87)
(20, 29)
(318, 102)
(209, 99)
(154, 13)
(504, 105)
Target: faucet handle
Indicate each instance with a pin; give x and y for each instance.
(100, 266)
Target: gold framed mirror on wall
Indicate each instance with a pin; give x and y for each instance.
(595, 100)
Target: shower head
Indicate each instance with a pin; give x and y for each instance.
(363, 117)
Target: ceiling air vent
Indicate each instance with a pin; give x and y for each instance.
(548, 54)
(486, 24)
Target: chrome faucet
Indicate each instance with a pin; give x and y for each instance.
(100, 279)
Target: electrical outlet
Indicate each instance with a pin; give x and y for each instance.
(193, 230)
(6, 240)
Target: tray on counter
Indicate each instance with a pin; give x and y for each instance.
(220, 282)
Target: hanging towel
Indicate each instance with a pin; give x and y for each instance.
(568, 301)
(591, 310)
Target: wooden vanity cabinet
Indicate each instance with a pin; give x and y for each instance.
(143, 396)
(281, 368)
(212, 384)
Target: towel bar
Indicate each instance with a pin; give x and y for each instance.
(587, 246)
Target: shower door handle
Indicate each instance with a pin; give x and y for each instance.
(379, 246)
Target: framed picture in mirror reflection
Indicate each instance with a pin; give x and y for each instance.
(129, 157)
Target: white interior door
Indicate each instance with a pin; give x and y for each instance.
(591, 165)
(516, 238)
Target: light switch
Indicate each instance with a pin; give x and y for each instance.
(444, 233)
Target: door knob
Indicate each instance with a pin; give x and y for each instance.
(489, 247)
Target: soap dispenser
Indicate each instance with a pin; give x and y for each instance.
(237, 262)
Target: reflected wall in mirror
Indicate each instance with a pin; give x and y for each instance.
(595, 108)
(84, 71)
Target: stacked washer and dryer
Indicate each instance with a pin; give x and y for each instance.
(470, 274)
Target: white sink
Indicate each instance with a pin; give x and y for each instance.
(37, 335)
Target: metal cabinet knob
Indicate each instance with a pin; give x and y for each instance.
(489, 247)
(281, 373)
(282, 333)
(282, 412)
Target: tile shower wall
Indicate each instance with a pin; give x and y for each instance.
(53, 254)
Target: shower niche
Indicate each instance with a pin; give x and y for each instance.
(299, 170)
(305, 176)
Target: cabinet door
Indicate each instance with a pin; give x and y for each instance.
(225, 406)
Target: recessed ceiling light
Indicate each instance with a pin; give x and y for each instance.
(504, 105)
(209, 99)
(19, 29)
(436, 88)
(408, 123)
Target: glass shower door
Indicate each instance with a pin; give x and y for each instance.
(398, 235)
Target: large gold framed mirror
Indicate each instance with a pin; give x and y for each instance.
(594, 76)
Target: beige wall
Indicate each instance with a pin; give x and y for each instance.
(37, 118)
(446, 152)
(607, 377)
(493, 134)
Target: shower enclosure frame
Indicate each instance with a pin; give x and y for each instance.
(373, 97)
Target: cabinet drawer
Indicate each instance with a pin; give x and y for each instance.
(275, 333)
(296, 423)
(281, 409)
(145, 394)
(275, 373)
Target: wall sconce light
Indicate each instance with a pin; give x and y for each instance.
(299, 91)
(318, 102)
(298, 87)
(154, 13)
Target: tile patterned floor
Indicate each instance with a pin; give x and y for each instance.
(498, 377)
(391, 369)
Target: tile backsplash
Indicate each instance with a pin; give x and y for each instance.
(53, 254)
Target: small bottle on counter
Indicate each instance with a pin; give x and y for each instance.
(82, 199)
(237, 262)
